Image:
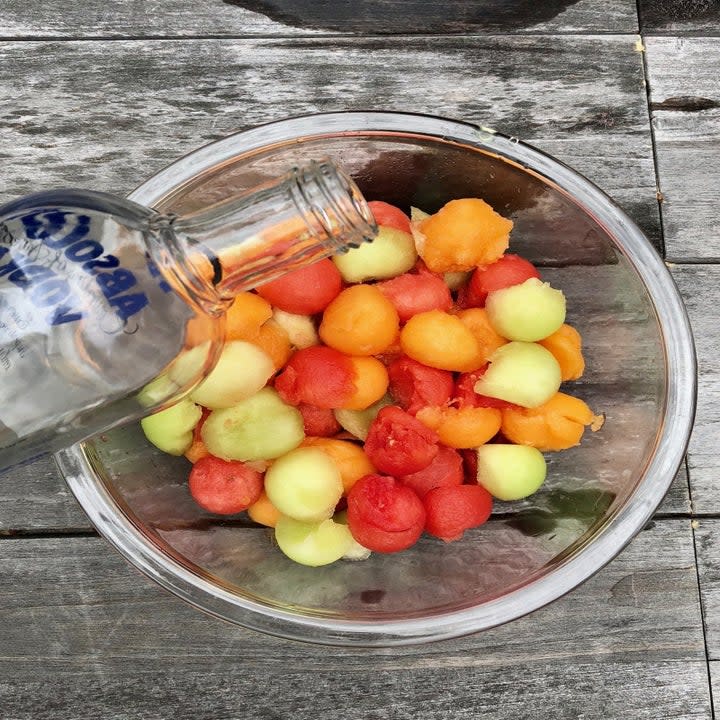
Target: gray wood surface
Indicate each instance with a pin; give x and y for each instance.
(165, 18)
(679, 17)
(82, 632)
(699, 285)
(685, 104)
(142, 104)
(708, 561)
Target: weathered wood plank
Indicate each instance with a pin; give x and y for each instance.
(685, 105)
(142, 104)
(679, 17)
(708, 563)
(165, 18)
(373, 690)
(714, 667)
(677, 501)
(35, 497)
(83, 632)
(700, 288)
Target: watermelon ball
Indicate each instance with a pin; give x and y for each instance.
(305, 291)
(451, 510)
(319, 376)
(415, 386)
(445, 469)
(389, 215)
(318, 422)
(224, 487)
(383, 514)
(413, 293)
(509, 270)
(398, 444)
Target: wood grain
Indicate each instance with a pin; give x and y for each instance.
(699, 286)
(34, 497)
(84, 633)
(679, 17)
(708, 562)
(685, 105)
(142, 104)
(164, 18)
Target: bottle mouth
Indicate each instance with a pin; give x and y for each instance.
(337, 205)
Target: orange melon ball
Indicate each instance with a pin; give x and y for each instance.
(440, 340)
(466, 427)
(371, 383)
(566, 345)
(263, 512)
(463, 234)
(477, 321)
(558, 424)
(360, 321)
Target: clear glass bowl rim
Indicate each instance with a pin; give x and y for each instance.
(681, 385)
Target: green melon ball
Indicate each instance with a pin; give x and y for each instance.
(356, 551)
(242, 370)
(391, 253)
(305, 484)
(510, 472)
(170, 430)
(357, 422)
(312, 544)
(157, 391)
(300, 329)
(189, 366)
(528, 312)
(522, 373)
(261, 427)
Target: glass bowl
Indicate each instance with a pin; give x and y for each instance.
(640, 374)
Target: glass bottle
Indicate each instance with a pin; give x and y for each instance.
(110, 310)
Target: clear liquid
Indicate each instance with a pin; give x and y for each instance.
(86, 320)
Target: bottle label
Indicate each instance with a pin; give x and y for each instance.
(53, 245)
(85, 317)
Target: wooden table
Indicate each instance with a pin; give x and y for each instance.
(102, 95)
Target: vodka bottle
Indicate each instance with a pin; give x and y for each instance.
(110, 310)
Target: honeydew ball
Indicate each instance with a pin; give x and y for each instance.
(356, 551)
(391, 253)
(510, 472)
(300, 329)
(357, 422)
(190, 364)
(305, 484)
(313, 544)
(528, 312)
(170, 430)
(242, 370)
(261, 427)
(522, 373)
(157, 390)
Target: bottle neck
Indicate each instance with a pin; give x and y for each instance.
(310, 213)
